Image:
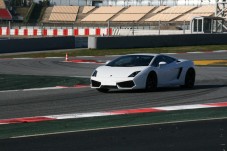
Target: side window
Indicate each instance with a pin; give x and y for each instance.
(159, 59)
(156, 61)
(168, 60)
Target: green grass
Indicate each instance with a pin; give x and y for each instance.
(94, 52)
(14, 82)
(21, 129)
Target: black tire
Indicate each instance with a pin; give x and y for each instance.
(189, 79)
(103, 90)
(152, 81)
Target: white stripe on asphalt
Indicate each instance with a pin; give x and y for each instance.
(220, 51)
(33, 89)
(196, 52)
(182, 107)
(23, 58)
(117, 127)
(78, 115)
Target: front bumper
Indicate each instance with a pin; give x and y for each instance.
(113, 83)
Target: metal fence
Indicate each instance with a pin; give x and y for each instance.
(126, 29)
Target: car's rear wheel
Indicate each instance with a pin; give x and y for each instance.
(152, 81)
(103, 90)
(189, 79)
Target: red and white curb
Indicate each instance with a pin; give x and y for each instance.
(110, 113)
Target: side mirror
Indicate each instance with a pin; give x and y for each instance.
(108, 61)
(161, 64)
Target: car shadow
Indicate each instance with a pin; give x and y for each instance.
(169, 89)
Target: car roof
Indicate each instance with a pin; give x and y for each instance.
(146, 54)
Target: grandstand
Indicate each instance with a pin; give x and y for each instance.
(86, 14)
(170, 13)
(64, 14)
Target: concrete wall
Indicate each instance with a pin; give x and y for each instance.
(81, 42)
(36, 44)
(156, 41)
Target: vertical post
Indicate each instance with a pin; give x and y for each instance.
(203, 25)
(9, 30)
(133, 28)
(197, 24)
(211, 26)
(184, 28)
(41, 29)
(159, 27)
(108, 29)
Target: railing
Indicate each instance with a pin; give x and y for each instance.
(127, 29)
(29, 12)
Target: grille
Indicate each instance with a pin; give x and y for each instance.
(126, 84)
(95, 83)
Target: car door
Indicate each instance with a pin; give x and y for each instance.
(166, 73)
(172, 68)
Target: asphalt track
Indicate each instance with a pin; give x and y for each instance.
(189, 136)
(211, 86)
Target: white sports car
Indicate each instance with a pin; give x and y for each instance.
(143, 71)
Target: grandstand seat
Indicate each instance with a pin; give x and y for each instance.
(65, 9)
(2, 4)
(97, 18)
(128, 17)
(108, 10)
(162, 17)
(204, 9)
(138, 9)
(133, 13)
(189, 17)
(87, 9)
(5, 14)
(207, 10)
(102, 14)
(58, 17)
(178, 9)
(159, 9)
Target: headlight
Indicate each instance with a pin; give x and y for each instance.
(94, 73)
(134, 74)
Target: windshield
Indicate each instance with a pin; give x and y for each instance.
(131, 61)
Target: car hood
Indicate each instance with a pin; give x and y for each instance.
(117, 72)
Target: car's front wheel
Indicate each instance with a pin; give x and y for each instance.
(189, 79)
(103, 90)
(151, 83)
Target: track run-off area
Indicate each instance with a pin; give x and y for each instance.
(78, 98)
